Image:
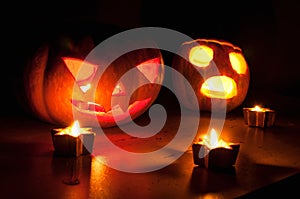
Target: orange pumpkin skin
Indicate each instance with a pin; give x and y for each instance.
(197, 76)
(52, 92)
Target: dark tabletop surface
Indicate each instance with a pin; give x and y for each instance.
(267, 163)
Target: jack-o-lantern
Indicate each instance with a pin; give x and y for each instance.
(216, 70)
(58, 81)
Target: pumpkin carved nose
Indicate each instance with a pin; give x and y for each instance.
(220, 87)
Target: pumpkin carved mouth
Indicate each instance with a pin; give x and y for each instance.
(149, 69)
(98, 110)
(220, 87)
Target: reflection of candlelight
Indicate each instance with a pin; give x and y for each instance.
(212, 152)
(72, 140)
(73, 171)
(259, 117)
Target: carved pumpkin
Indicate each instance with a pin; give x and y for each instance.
(56, 90)
(217, 70)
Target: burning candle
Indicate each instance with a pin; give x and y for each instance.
(212, 152)
(72, 140)
(259, 117)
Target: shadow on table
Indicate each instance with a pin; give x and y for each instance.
(233, 182)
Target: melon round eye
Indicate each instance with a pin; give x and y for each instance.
(201, 56)
(238, 62)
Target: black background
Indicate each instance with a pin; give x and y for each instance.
(267, 31)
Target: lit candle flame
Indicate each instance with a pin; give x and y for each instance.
(257, 108)
(212, 141)
(73, 130)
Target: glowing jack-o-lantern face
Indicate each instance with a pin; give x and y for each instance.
(216, 70)
(59, 84)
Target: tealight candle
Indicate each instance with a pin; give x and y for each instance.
(212, 152)
(72, 140)
(259, 117)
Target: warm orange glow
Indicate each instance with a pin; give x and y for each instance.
(98, 175)
(201, 55)
(221, 87)
(211, 140)
(85, 88)
(259, 109)
(238, 62)
(73, 130)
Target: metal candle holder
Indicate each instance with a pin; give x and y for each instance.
(216, 158)
(264, 117)
(68, 145)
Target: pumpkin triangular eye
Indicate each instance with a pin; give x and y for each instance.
(201, 55)
(87, 70)
(238, 62)
(82, 71)
(150, 69)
